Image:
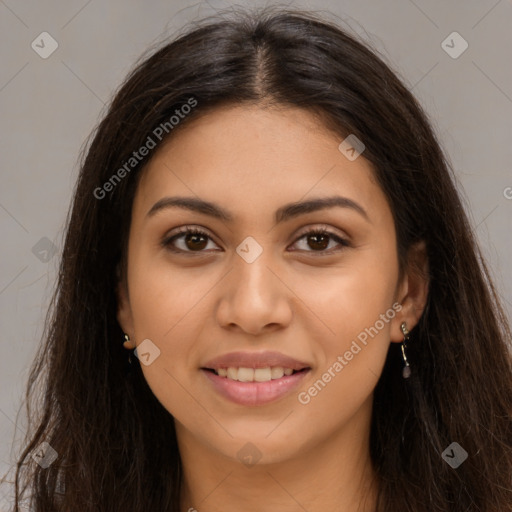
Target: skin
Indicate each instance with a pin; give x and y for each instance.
(252, 160)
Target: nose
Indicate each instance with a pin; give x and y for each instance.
(254, 297)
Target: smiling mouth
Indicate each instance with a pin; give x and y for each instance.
(254, 386)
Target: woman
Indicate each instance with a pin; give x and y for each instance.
(270, 297)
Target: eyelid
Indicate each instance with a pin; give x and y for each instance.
(319, 227)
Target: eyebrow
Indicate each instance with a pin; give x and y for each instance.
(284, 213)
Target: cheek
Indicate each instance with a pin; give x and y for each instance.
(350, 297)
(352, 359)
(171, 306)
(355, 305)
(162, 294)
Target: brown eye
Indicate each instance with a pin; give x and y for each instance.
(193, 240)
(318, 240)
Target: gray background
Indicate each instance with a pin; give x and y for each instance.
(49, 106)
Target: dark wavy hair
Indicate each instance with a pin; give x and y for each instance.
(115, 442)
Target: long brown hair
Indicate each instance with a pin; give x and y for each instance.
(115, 443)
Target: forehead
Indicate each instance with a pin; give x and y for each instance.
(253, 159)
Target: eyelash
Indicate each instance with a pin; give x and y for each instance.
(168, 241)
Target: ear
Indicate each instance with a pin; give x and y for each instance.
(124, 312)
(412, 291)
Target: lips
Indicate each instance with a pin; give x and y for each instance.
(254, 393)
(254, 360)
(224, 374)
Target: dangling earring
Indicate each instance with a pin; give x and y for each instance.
(126, 340)
(406, 371)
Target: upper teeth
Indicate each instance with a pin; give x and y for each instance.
(254, 374)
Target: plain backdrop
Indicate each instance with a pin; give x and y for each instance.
(50, 105)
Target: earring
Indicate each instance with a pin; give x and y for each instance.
(406, 372)
(127, 339)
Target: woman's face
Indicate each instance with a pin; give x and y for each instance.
(257, 282)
